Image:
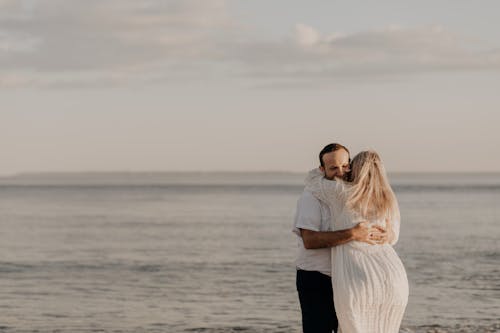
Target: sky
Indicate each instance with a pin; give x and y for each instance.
(238, 85)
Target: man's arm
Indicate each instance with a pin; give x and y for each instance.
(362, 232)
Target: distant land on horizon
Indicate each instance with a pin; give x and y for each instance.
(149, 172)
(224, 178)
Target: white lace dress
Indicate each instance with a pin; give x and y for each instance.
(370, 285)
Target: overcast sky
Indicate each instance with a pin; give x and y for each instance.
(207, 85)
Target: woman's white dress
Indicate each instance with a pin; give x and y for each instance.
(370, 285)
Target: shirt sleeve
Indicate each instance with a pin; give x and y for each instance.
(308, 213)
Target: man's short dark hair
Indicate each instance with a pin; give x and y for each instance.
(329, 148)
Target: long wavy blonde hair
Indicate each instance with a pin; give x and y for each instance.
(370, 193)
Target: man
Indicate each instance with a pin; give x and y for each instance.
(312, 226)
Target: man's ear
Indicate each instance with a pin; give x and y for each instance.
(322, 168)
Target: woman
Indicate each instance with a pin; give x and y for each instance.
(369, 281)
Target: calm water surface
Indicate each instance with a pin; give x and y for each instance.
(214, 252)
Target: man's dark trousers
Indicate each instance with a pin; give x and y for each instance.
(316, 302)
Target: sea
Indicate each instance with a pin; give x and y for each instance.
(214, 252)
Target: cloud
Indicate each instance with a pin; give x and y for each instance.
(113, 38)
(306, 35)
(59, 43)
(390, 51)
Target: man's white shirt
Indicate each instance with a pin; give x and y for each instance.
(312, 214)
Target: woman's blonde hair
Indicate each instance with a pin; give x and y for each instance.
(370, 194)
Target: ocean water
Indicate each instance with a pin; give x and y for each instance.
(214, 252)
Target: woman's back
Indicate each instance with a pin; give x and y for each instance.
(346, 218)
(369, 281)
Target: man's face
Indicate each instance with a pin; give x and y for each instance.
(336, 164)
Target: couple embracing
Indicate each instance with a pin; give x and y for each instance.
(349, 278)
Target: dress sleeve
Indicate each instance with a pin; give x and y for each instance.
(322, 188)
(395, 223)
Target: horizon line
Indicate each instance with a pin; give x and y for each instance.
(76, 172)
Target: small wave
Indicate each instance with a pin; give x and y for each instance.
(458, 328)
(447, 188)
(9, 267)
(244, 329)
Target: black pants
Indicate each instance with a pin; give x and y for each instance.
(316, 302)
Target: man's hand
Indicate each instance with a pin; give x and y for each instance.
(364, 232)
